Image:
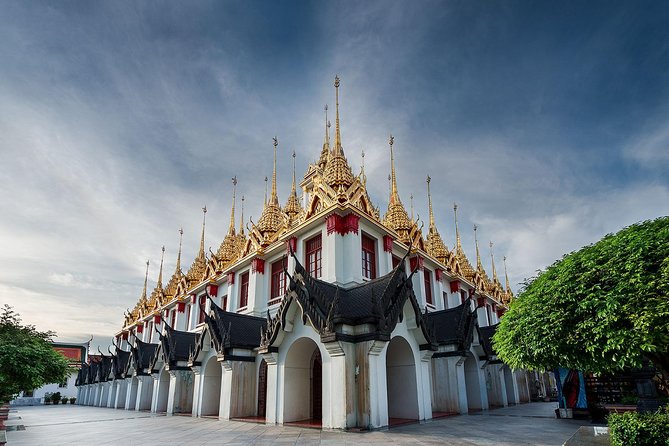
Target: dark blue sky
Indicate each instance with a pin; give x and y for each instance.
(548, 122)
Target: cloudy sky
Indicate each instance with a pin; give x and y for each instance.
(547, 122)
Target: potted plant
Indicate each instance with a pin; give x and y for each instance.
(55, 398)
(64, 400)
(72, 400)
(47, 397)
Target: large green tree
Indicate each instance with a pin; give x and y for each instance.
(599, 309)
(27, 359)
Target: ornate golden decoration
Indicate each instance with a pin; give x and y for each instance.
(338, 174)
(230, 249)
(508, 294)
(197, 269)
(158, 295)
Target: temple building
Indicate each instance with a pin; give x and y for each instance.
(323, 312)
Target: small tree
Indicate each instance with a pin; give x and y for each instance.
(27, 360)
(600, 309)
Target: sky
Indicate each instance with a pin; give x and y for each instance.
(547, 122)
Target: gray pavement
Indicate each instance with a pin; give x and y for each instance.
(526, 424)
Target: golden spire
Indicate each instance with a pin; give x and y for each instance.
(265, 190)
(146, 278)
(326, 143)
(197, 270)
(479, 265)
(231, 229)
(338, 173)
(393, 178)
(337, 147)
(508, 284)
(494, 270)
(204, 217)
(363, 177)
(274, 198)
(396, 217)
(458, 245)
(292, 208)
(460, 256)
(429, 202)
(241, 219)
(411, 205)
(435, 245)
(181, 237)
(159, 284)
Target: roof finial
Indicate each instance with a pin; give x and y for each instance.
(241, 219)
(274, 198)
(146, 278)
(204, 216)
(479, 265)
(508, 285)
(411, 204)
(231, 229)
(337, 147)
(265, 190)
(160, 272)
(429, 201)
(492, 258)
(181, 237)
(458, 245)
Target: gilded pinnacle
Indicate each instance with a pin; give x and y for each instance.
(231, 228)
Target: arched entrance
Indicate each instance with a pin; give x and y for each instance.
(401, 382)
(211, 391)
(473, 384)
(262, 389)
(303, 383)
(163, 391)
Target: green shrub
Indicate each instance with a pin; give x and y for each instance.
(64, 400)
(72, 400)
(55, 398)
(632, 428)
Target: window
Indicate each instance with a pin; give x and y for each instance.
(428, 286)
(203, 305)
(463, 296)
(150, 328)
(445, 297)
(489, 313)
(188, 317)
(224, 302)
(244, 291)
(278, 285)
(173, 317)
(368, 257)
(314, 256)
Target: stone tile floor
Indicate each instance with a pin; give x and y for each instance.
(526, 424)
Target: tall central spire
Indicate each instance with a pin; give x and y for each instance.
(508, 285)
(327, 128)
(274, 198)
(458, 244)
(241, 219)
(337, 147)
(231, 228)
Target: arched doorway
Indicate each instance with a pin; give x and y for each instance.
(473, 384)
(401, 382)
(262, 389)
(303, 383)
(163, 391)
(211, 391)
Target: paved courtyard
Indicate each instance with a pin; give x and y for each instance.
(527, 424)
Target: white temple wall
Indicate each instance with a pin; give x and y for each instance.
(111, 397)
(144, 393)
(131, 394)
(445, 396)
(121, 389)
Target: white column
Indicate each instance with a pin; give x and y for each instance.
(425, 409)
(144, 392)
(198, 388)
(378, 388)
(131, 394)
(111, 397)
(334, 395)
(175, 388)
(502, 388)
(225, 404)
(274, 399)
(121, 388)
(462, 386)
